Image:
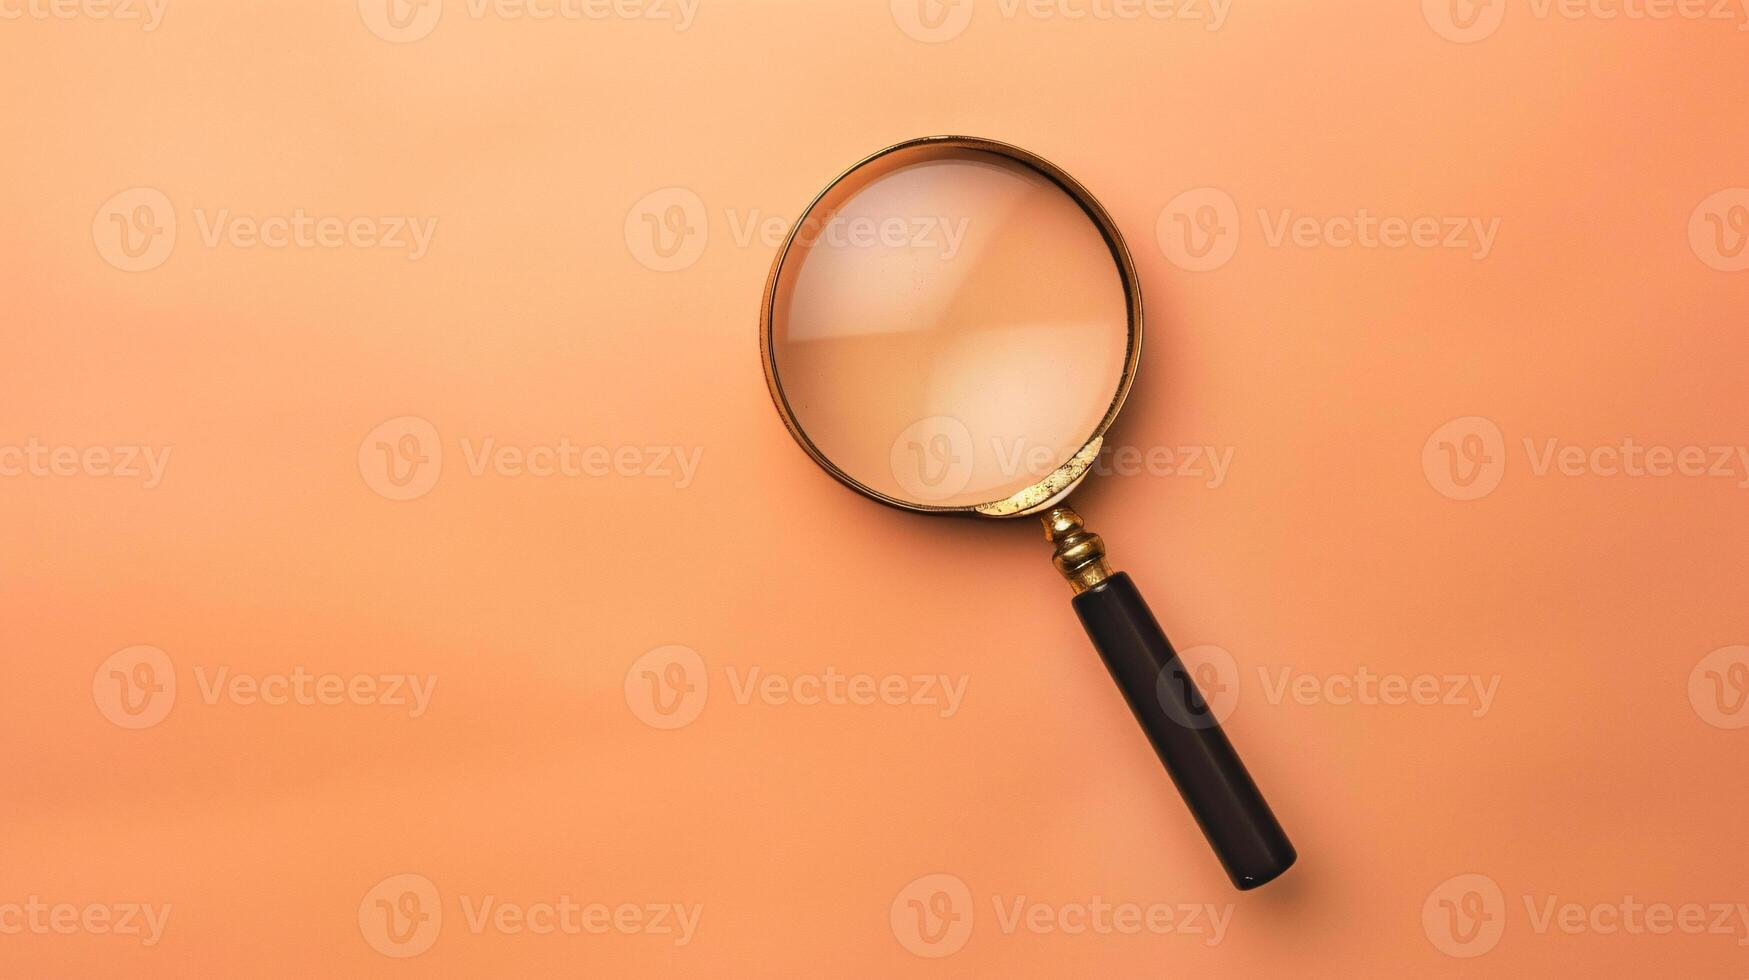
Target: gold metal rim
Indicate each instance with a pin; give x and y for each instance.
(1068, 475)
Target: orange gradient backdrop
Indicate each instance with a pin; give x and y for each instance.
(493, 229)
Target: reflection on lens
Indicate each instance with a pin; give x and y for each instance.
(949, 326)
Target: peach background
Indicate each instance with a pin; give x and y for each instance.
(1593, 599)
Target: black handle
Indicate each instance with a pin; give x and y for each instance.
(1226, 802)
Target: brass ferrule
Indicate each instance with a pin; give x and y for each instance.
(1080, 553)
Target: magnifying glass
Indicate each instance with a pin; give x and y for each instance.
(950, 328)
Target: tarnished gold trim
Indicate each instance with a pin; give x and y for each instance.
(1039, 493)
(1061, 480)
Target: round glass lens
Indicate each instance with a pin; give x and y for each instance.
(949, 326)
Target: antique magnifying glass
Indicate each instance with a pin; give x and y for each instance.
(951, 327)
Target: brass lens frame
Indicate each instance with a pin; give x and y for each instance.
(1064, 478)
